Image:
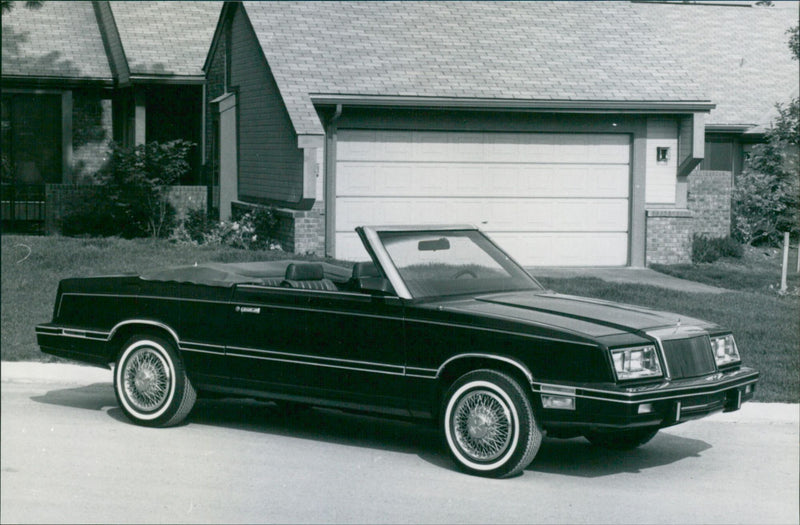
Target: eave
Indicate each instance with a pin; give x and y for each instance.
(56, 82)
(729, 128)
(167, 79)
(495, 104)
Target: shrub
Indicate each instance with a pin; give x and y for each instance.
(710, 249)
(262, 223)
(89, 212)
(132, 193)
(254, 230)
(197, 224)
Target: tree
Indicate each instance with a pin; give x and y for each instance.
(794, 41)
(766, 199)
(7, 5)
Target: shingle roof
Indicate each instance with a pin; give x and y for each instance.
(739, 55)
(166, 38)
(60, 39)
(593, 51)
(570, 51)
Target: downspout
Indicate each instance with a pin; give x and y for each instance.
(330, 183)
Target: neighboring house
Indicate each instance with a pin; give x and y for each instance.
(76, 75)
(574, 133)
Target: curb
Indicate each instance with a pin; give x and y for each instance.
(21, 372)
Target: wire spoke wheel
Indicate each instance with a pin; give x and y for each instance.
(146, 379)
(482, 425)
(489, 426)
(150, 382)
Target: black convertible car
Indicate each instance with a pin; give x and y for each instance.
(441, 325)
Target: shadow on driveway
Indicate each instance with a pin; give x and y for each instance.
(573, 457)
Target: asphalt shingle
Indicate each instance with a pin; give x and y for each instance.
(60, 39)
(573, 51)
(166, 38)
(576, 51)
(739, 55)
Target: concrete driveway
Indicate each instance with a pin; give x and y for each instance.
(644, 276)
(70, 456)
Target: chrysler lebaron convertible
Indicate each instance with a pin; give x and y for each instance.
(440, 325)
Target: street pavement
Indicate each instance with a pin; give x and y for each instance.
(68, 455)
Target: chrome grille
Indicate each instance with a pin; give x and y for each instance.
(689, 357)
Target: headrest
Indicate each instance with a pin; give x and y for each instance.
(304, 272)
(365, 269)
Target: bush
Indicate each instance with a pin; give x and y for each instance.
(709, 249)
(131, 198)
(197, 224)
(89, 212)
(253, 230)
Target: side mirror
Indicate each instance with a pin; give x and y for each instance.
(376, 286)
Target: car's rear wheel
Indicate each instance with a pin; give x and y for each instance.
(150, 382)
(489, 425)
(621, 439)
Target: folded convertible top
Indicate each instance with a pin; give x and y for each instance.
(229, 274)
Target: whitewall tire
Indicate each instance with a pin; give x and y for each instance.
(489, 426)
(150, 382)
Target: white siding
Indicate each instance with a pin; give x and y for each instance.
(661, 177)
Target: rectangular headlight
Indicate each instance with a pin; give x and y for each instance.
(636, 363)
(725, 351)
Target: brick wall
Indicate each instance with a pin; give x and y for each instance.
(710, 202)
(301, 232)
(669, 237)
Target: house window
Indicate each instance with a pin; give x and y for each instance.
(718, 154)
(31, 138)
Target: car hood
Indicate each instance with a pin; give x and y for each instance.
(592, 317)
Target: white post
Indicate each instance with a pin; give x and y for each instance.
(785, 265)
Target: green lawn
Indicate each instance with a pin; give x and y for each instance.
(759, 270)
(32, 267)
(766, 325)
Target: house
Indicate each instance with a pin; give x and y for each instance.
(76, 75)
(574, 133)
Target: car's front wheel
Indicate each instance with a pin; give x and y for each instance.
(621, 439)
(489, 425)
(150, 382)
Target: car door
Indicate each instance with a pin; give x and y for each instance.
(339, 348)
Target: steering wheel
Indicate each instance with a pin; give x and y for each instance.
(465, 271)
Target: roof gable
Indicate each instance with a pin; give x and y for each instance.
(166, 38)
(60, 40)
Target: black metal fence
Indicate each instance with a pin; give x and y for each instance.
(23, 208)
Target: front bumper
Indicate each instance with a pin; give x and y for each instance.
(656, 405)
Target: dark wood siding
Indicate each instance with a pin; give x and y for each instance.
(270, 163)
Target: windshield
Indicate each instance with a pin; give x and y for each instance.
(438, 263)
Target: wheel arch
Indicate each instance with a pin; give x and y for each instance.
(124, 330)
(461, 364)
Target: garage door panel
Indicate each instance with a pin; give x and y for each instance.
(490, 180)
(578, 249)
(556, 198)
(489, 214)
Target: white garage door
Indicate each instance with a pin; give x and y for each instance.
(548, 199)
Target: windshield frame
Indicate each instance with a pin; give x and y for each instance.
(371, 237)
